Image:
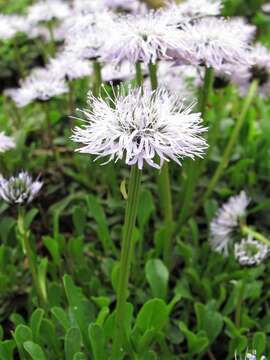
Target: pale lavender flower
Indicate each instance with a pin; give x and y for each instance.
(266, 8)
(226, 221)
(189, 10)
(6, 142)
(86, 6)
(19, 189)
(145, 38)
(10, 25)
(47, 10)
(140, 128)
(67, 66)
(214, 42)
(250, 252)
(41, 84)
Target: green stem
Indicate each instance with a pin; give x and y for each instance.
(125, 260)
(234, 136)
(139, 76)
(52, 39)
(97, 78)
(29, 254)
(193, 168)
(246, 230)
(153, 75)
(71, 97)
(238, 312)
(18, 59)
(48, 140)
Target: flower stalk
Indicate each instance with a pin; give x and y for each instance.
(246, 230)
(97, 78)
(125, 259)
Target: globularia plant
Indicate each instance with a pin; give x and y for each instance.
(142, 127)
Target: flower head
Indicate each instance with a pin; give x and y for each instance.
(142, 38)
(214, 42)
(47, 10)
(41, 84)
(226, 221)
(68, 66)
(126, 5)
(6, 142)
(19, 189)
(250, 252)
(140, 128)
(10, 25)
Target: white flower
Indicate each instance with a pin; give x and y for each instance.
(250, 252)
(141, 128)
(145, 38)
(6, 142)
(41, 84)
(266, 7)
(226, 221)
(251, 356)
(19, 189)
(47, 10)
(189, 10)
(127, 5)
(86, 6)
(87, 34)
(214, 42)
(259, 70)
(66, 65)
(10, 25)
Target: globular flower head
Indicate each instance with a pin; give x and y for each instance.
(140, 128)
(47, 10)
(144, 39)
(6, 142)
(189, 10)
(213, 42)
(68, 66)
(19, 189)
(250, 252)
(226, 221)
(41, 84)
(10, 25)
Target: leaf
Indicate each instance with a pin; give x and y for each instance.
(197, 343)
(34, 350)
(97, 340)
(6, 349)
(157, 276)
(208, 320)
(73, 341)
(153, 315)
(99, 216)
(22, 334)
(35, 322)
(53, 247)
(79, 356)
(61, 316)
(29, 217)
(145, 207)
(42, 270)
(79, 219)
(259, 343)
(49, 336)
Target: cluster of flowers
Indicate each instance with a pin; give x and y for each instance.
(225, 228)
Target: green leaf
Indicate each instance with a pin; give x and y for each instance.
(99, 216)
(35, 322)
(79, 219)
(34, 350)
(145, 207)
(153, 315)
(97, 340)
(61, 316)
(197, 343)
(6, 349)
(208, 320)
(29, 217)
(49, 336)
(53, 247)
(73, 341)
(42, 271)
(22, 334)
(157, 276)
(79, 356)
(259, 343)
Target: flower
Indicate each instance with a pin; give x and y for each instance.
(250, 252)
(126, 5)
(19, 189)
(266, 8)
(225, 222)
(47, 10)
(214, 42)
(145, 38)
(259, 70)
(6, 142)
(66, 65)
(140, 128)
(10, 25)
(251, 356)
(192, 9)
(41, 84)
(86, 6)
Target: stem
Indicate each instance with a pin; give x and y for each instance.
(18, 59)
(153, 75)
(234, 136)
(193, 168)
(139, 76)
(238, 312)
(97, 78)
(125, 260)
(29, 254)
(71, 97)
(256, 235)
(52, 38)
(45, 105)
